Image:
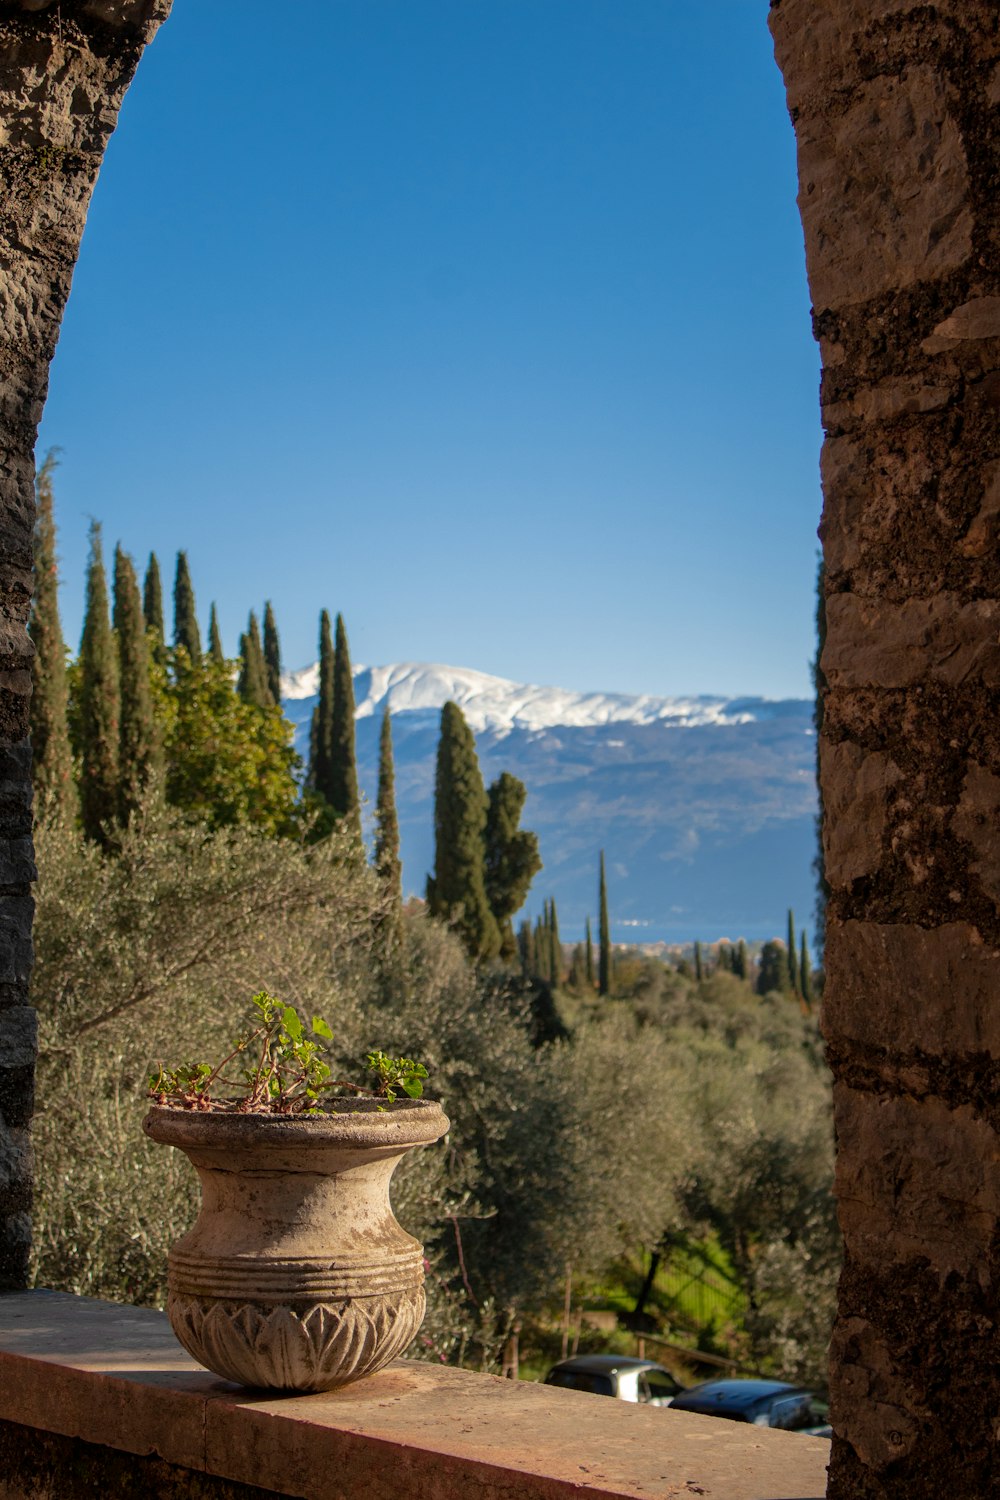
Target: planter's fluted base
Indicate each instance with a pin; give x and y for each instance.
(314, 1347)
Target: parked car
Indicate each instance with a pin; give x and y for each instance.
(638, 1380)
(765, 1403)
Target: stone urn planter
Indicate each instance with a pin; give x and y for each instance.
(296, 1276)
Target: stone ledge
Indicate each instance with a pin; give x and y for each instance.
(116, 1376)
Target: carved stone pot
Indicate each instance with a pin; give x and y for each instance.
(296, 1276)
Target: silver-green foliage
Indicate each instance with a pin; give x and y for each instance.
(694, 1109)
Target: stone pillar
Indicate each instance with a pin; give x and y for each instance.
(896, 108)
(64, 69)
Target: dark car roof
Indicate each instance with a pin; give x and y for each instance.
(736, 1394)
(605, 1364)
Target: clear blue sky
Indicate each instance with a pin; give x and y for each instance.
(482, 321)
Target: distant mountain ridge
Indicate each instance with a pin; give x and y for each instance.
(497, 704)
(704, 805)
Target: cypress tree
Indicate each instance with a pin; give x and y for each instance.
(555, 944)
(792, 958)
(577, 970)
(343, 796)
(97, 716)
(699, 967)
(321, 730)
(186, 632)
(805, 975)
(741, 965)
(544, 948)
(215, 650)
(540, 949)
(773, 974)
(138, 740)
(604, 936)
(457, 890)
(512, 858)
(252, 681)
(589, 954)
(272, 653)
(52, 758)
(152, 609)
(526, 948)
(388, 864)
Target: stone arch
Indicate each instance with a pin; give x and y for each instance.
(895, 106)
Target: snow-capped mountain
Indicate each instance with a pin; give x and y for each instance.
(703, 805)
(498, 705)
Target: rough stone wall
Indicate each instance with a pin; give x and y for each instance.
(896, 108)
(64, 68)
(37, 1465)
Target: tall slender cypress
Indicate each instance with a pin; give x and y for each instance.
(699, 966)
(272, 653)
(215, 650)
(138, 741)
(97, 716)
(741, 962)
(152, 609)
(52, 758)
(512, 858)
(457, 890)
(589, 955)
(555, 944)
(321, 734)
(604, 936)
(388, 864)
(186, 632)
(252, 681)
(526, 947)
(343, 797)
(792, 955)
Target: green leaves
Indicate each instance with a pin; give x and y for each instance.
(285, 1070)
(394, 1073)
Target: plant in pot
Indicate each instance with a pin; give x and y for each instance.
(296, 1275)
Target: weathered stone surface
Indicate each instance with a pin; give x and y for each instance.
(983, 533)
(64, 69)
(861, 173)
(16, 949)
(876, 644)
(856, 813)
(941, 999)
(116, 1376)
(18, 1036)
(15, 1235)
(880, 1430)
(978, 319)
(15, 1156)
(977, 820)
(819, 42)
(894, 106)
(920, 1176)
(48, 1467)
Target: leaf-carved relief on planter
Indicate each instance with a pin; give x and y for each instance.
(285, 1348)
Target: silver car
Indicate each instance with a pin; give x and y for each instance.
(639, 1380)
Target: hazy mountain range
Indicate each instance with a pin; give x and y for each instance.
(704, 806)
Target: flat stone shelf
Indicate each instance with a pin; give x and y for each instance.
(116, 1377)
